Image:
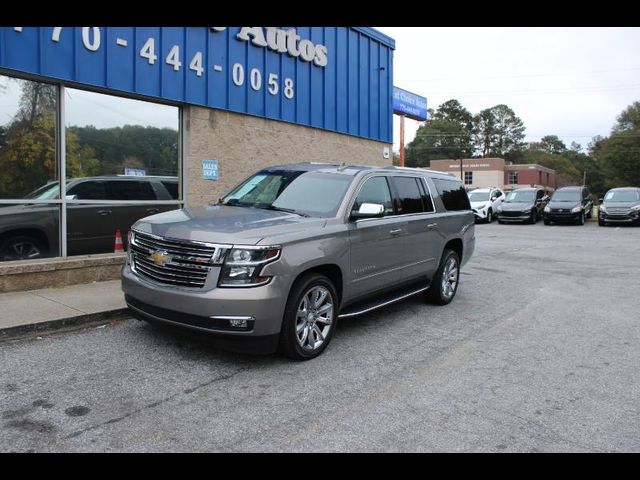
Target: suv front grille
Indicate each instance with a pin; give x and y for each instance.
(509, 213)
(618, 211)
(172, 262)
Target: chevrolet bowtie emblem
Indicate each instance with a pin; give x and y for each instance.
(160, 257)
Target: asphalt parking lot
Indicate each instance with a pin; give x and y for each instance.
(539, 352)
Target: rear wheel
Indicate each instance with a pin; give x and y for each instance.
(489, 216)
(445, 282)
(22, 247)
(310, 317)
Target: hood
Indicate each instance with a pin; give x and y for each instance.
(480, 204)
(564, 205)
(621, 204)
(226, 224)
(516, 206)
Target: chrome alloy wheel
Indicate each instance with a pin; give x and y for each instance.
(449, 278)
(314, 318)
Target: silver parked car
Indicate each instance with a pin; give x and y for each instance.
(276, 262)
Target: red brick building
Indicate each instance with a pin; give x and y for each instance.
(495, 172)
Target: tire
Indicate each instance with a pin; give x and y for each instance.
(22, 247)
(439, 293)
(489, 216)
(547, 222)
(602, 223)
(581, 219)
(534, 216)
(300, 331)
(500, 222)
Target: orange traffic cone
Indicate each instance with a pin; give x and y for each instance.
(118, 246)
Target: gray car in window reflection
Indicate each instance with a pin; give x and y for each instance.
(32, 231)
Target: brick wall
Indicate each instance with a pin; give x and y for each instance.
(243, 144)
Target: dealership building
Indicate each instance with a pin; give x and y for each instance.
(495, 172)
(100, 126)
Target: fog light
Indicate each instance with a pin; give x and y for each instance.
(238, 322)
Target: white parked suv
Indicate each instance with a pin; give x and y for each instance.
(484, 202)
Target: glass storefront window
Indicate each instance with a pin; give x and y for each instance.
(27, 136)
(118, 150)
(122, 163)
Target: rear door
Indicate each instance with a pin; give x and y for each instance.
(422, 243)
(375, 244)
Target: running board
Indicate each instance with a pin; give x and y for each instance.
(388, 299)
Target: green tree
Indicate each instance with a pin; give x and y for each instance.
(498, 132)
(445, 134)
(619, 154)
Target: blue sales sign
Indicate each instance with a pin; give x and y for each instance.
(335, 78)
(409, 104)
(210, 169)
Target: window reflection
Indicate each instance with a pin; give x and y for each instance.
(27, 136)
(29, 231)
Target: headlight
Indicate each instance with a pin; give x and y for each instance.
(242, 266)
(482, 206)
(635, 208)
(547, 209)
(604, 209)
(576, 209)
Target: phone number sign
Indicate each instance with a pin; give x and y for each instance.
(303, 75)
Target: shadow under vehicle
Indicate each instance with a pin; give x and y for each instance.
(620, 206)
(29, 231)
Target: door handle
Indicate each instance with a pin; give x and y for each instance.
(104, 212)
(153, 210)
(397, 231)
(431, 225)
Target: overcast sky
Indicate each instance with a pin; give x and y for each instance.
(570, 82)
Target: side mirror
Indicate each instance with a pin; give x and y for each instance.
(368, 210)
(600, 200)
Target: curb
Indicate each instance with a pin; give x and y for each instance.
(62, 323)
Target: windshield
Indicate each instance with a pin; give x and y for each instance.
(566, 196)
(622, 196)
(478, 196)
(316, 194)
(46, 192)
(519, 196)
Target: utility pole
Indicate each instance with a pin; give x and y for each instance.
(402, 140)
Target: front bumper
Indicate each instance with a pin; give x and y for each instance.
(562, 216)
(262, 306)
(513, 216)
(480, 214)
(617, 218)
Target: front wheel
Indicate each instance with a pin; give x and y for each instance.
(489, 216)
(581, 219)
(547, 222)
(445, 282)
(22, 247)
(534, 216)
(602, 223)
(310, 317)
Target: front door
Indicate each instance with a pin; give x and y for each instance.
(375, 243)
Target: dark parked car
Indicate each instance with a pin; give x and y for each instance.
(620, 205)
(569, 205)
(31, 231)
(522, 205)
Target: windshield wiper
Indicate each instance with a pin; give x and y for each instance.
(280, 209)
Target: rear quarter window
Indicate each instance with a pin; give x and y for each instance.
(453, 195)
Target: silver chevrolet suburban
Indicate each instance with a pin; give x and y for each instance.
(276, 262)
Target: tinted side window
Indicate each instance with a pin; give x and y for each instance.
(375, 190)
(88, 191)
(539, 194)
(409, 195)
(172, 188)
(453, 194)
(130, 190)
(498, 193)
